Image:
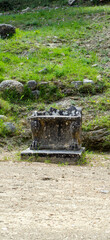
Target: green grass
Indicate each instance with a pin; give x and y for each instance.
(100, 122)
(52, 43)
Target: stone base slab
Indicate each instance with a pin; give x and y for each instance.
(53, 156)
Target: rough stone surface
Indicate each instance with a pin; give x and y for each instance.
(6, 30)
(11, 84)
(87, 81)
(10, 127)
(71, 111)
(65, 156)
(57, 129)
(96, 139)
(32, 84)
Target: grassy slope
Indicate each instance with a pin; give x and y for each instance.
(67, 42)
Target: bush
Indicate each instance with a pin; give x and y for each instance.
(6, 5)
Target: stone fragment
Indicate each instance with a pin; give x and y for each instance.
(77, 83)
(96, 139)
(10, 127)
(36, 93)
(43, 84)
(71, 2)
(6, 30)
(94, 65)
(26, 10)
(44, 70)
(32, 84)
(11, 85)
(104, 191)
(87, 81)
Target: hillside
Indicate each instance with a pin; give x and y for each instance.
(57, 47)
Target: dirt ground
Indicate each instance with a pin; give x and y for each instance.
(55, 202)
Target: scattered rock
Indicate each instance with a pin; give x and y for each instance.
(71, 2)
(99, 77)
(3, 117)
(77, 83)
(87, 81)
(36, 93)
(94, 65)
(6, 30)
(26, 10)
(104, 191)
(32, 84)
(46, 178)
(10, 127)
(11, 84)
(41, 84)
(44, 70)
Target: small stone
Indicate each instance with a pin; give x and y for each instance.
(10, 127)
(44, 70)
(77, 83)
(43, 84)
(6, 30)
(36, 93)
(94, 65)
(99, 77)
(32, 84)
(87, 81)
(26, 10)
(71, 2)
(104, 191)
(11, 84)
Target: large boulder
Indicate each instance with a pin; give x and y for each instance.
(6, 30)
(97, 139)
(11, 85)
(10, 127)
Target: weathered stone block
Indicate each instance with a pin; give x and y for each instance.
(56, 133)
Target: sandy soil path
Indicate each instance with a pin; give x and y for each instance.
(51, 202)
